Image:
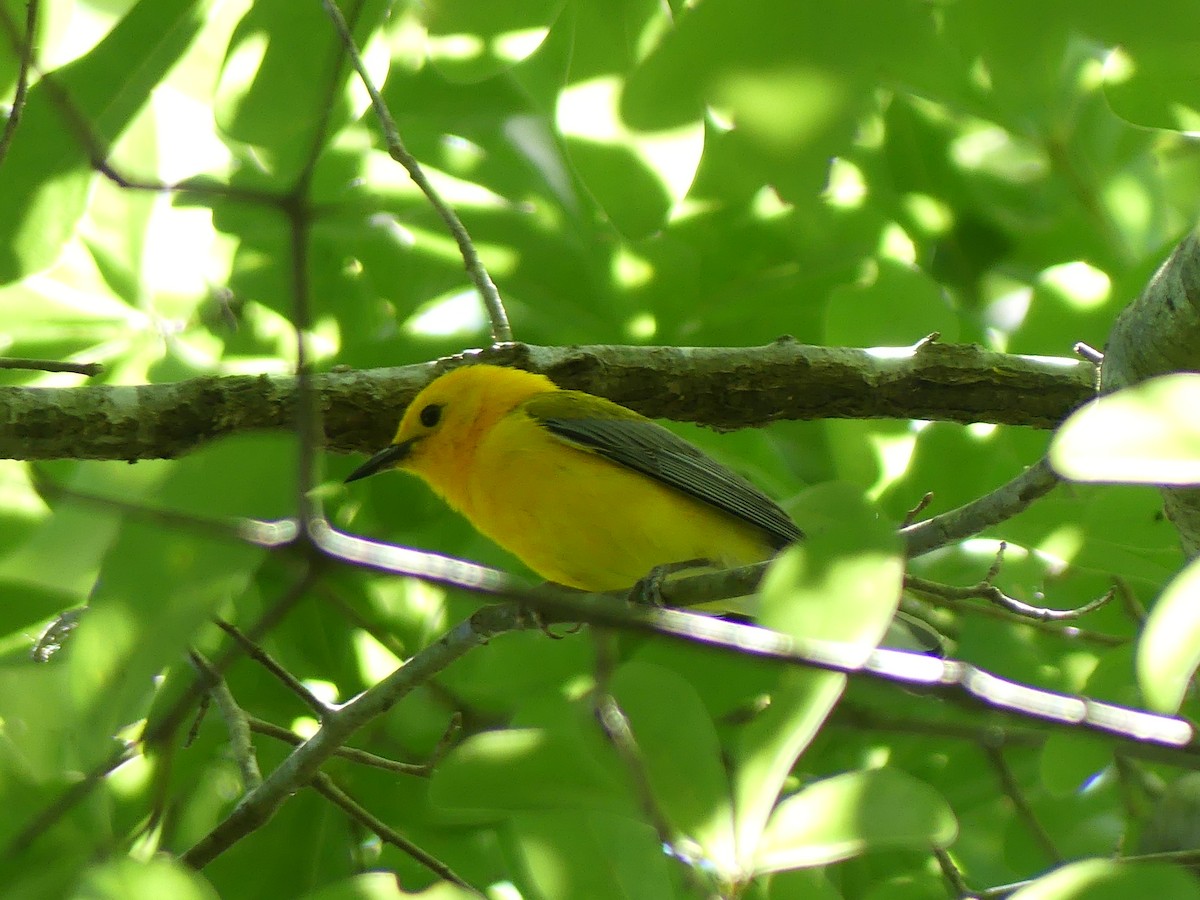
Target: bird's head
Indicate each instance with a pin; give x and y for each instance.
(444, 424)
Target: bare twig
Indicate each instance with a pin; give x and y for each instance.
(616, 729)
(445, 742)
(1058, 630)
(269, 535)
(324, 786)
(257, 808)
(849, 715)
(620, 737)
(269, 729)
(501, 329)
(953, 875)
(1020, 802)
(265, 660)
(972, 518)
(922, 504)
(241, 747)
(1088, 352)
(73, 795)
(51, 365)
(25, 50)
(985, 590)
(1129, 602)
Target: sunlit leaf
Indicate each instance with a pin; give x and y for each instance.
(1106, 879)
(678, 745)
(842, 583)
(126, 879)
(850, 814)
(1145, 434)
(44, 179)
(1168, 650)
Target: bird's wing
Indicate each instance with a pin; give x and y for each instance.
(628, 439)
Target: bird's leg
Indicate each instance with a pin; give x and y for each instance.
(539, 621)
(648, 590)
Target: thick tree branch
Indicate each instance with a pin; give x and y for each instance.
(719, 386)
(1159, 333)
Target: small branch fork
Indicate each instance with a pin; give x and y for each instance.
(986, 590)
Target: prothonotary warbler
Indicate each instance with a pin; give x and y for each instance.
(587, 493)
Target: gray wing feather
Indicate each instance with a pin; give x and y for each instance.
(647, 447)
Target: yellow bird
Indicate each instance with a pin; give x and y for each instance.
(587, 493)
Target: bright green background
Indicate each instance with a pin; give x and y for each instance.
(632, 171)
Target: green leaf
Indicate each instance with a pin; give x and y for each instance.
(1068, 760)
(554, 759)
(811, 884)
(1174, 821)
(636, 176)
(573, 853)
(851, 814)
(384, 886)
(157, 586)
(285, 57)
(1168, 650)
(128, 879)
(1145, 434)
(45, 177)
(678, 747)
(1106, 879)
(792, 79)
(886, 307)
(842, 583)
(1150, 80)
(470, 41)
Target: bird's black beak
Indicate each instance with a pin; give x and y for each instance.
(389, 456)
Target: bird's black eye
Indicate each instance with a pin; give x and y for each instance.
(431, 415)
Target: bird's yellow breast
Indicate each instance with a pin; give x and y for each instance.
(584, 521)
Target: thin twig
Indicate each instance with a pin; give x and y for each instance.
(51, 365)
(616, 729)
(971, 518)
(445, 742)
(501, 329)
(1129, 601)
(269, 535)
(620, 737)
(264, 659)
(953, 875)
(362, 757)
(1065, 631)
(26, 50)
(241, 747)
(849, 715)
(1088, 352)
(160, 728)
(1003, 891)
(922, 504)
(324, 786)
(65, 802)
(257, 808)
(1016, 796)
(985, 590)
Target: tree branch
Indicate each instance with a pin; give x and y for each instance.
(1156, 334)
(719, 386)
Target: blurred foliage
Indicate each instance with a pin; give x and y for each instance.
(632, 171)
